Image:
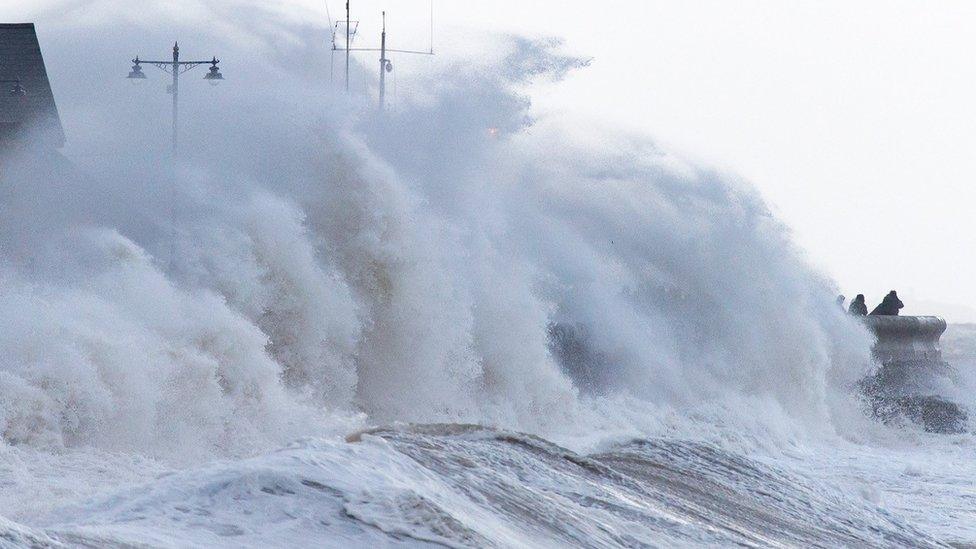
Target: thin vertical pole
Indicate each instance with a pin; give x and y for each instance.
(383, 62)
(176, 129)
(347, 46)
(176, 96)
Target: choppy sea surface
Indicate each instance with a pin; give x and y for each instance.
(469, 486)
(463, 485)
(457, 323)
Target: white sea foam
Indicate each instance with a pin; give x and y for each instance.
(361, 269)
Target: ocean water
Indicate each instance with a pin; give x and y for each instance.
(471, 486)
(456, 324)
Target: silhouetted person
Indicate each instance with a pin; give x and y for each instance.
(858, 307)
(889, 305)
(840, 301)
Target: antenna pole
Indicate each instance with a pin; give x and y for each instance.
(383, 62)
(176, 141)
(176, 97)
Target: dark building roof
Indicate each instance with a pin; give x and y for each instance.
(35, 113)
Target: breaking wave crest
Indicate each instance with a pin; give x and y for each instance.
(418, 268)
(459, 262)
(468, 486)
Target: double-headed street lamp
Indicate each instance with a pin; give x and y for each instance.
(176, 68)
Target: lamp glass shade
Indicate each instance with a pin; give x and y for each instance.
(136, 73)
(214, 75)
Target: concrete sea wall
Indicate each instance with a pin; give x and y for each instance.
(913, 374)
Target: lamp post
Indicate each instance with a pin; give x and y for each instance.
(176, 68)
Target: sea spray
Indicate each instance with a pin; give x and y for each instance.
(311, 270)
(428, 292)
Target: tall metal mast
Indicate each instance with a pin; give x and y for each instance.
(385, 65)
(176, 96)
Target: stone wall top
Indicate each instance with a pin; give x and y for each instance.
(924, 328)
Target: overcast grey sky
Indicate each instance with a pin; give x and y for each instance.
(856, 120)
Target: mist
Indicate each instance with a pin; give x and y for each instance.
(467, 319)
(310, 263)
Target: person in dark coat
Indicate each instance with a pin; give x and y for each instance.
(889, 305)
(858, 307)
